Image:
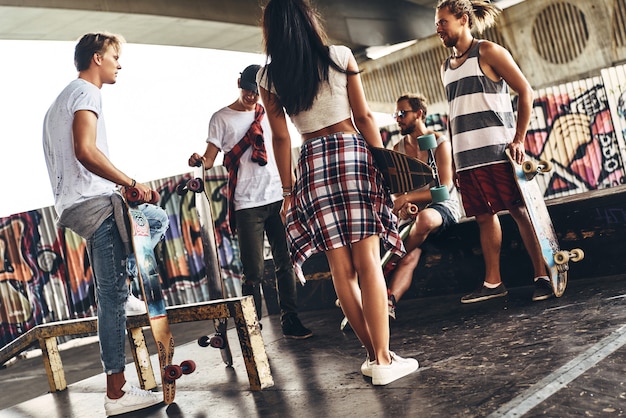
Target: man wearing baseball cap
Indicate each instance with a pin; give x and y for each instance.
(255, 196)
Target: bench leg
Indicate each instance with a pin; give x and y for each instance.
(141, 356)
(52, 363)
(252, 345)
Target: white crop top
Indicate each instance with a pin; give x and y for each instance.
(331, 105)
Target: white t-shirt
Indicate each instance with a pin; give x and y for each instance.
(256, 185)
(71, 182)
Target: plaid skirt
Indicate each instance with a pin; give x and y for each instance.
(339, 199)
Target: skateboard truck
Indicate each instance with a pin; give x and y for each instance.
(439, 193)
(531, 169)
(563, 257)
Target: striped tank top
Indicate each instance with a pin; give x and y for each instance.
(481, 120)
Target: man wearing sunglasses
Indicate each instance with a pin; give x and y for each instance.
(431, 218)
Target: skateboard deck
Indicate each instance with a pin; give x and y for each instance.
(215, 280)
(150, 285)
(401, 172)
(556, 260)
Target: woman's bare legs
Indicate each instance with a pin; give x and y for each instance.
(362, 292)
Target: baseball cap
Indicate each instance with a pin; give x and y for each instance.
(247, 81)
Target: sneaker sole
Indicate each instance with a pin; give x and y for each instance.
(382, 382)
(543, 297)
(484, 298)
(298, 337)
(131, 408)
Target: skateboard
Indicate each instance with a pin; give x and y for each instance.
(401, 173)
(150, 285)
(211, 261)
(556, 260)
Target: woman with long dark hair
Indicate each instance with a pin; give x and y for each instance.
(335, 202)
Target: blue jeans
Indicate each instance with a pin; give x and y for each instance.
(107, 254)
(159, 222)
(251, 224)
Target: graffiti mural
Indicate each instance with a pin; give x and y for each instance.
(21, 281)
(572, 128)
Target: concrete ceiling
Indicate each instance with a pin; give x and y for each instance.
(217, 24)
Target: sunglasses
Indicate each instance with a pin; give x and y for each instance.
(400, 113)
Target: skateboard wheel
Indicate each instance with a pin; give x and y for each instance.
(576, 255)
(337, 303)
(154, 198)
(132, 195)
(216, 341)
(181, 189)
(173, 372)
(204, 341)
(545, 166)
(412, 209)
(439, 194)
(561, 257)
(529, 167)
(427, 142)
(188, 366)
(195, 185)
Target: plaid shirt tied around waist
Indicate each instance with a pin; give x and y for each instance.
(253, 138)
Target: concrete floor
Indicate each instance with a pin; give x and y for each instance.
(509, 357)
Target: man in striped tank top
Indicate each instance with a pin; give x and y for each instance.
(482, 125)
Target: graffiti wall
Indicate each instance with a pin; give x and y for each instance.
(573, 127)
(45, 275)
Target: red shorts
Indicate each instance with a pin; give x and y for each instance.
(489, 189)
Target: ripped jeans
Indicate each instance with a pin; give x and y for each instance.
(159, 222)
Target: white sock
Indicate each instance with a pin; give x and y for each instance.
(491, 285)
(546, 278)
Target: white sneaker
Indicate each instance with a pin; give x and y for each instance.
(366, 367)
(133, 400)
(134, 306)
(399, 367)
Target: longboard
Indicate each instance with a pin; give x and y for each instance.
(199, 187)
(401, 173)
(555, 259)
(150, 285)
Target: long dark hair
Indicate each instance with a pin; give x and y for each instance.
(298, 58)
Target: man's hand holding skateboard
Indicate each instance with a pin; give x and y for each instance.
(404, 209)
